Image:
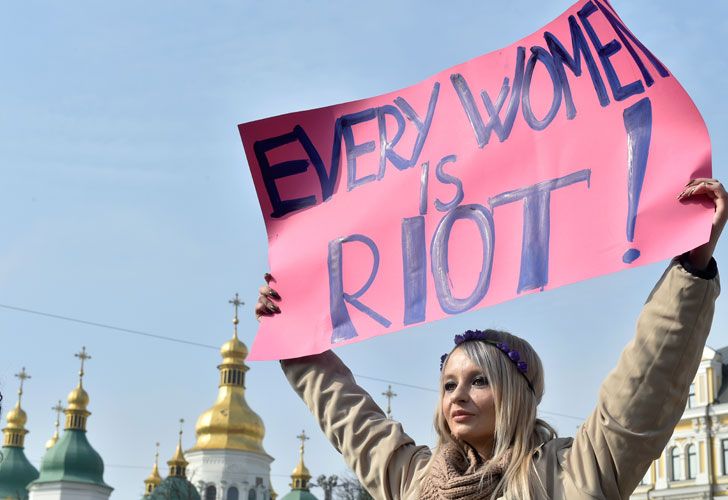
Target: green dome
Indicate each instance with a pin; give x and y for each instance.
(299, 495)
(16, 472)
(174, 488)
(72, 459)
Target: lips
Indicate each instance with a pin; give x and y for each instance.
(461, 416)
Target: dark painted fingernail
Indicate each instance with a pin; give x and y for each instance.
(274, 294)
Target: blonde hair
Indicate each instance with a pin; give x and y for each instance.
(517, 429)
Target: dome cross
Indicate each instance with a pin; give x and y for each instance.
(236, 302)
(389, 395)
(83, 356)
(303, 438)
(58, 408)
(23, 376)
(181, 429)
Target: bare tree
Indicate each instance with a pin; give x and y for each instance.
(327, 484)
(349, 488)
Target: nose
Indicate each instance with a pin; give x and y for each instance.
(461, 393)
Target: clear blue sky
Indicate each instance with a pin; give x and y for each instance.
(126, 199)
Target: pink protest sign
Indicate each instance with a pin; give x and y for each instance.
(551, 161)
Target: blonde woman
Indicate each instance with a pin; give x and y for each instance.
(490, 442)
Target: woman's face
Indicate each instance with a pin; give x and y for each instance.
(467, 403)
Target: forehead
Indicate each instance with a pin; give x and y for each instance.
(458, 363)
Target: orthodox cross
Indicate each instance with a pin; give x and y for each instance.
(181, 426)
(236, 302)
(389, 395)
(23, 376)
(58, 409)
(303, 438)
(83, 356)
(156, 456)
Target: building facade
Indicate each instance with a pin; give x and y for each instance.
(71, 468)
(228, 461)
(16, 472)
(694, 464)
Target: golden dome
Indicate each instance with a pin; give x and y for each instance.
(52, 441)
(230, 424)
(154, 478)
(78, 399)
(17, 418)
(301, 471)
(178, 463)
(233, 351)
(76, 411)
(58, 408)
(300, 475)
(14, 433)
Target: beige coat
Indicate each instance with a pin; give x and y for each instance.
(639, 405)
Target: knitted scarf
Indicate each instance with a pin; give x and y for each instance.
(454, 475)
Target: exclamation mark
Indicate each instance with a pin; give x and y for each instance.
(638, 124)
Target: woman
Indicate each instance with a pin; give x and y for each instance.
(490, 443)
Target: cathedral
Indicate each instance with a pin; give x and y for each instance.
(227, 461)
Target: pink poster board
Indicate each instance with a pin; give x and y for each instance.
(553, 160)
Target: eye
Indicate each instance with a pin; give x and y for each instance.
(480, 381)
(449, 386)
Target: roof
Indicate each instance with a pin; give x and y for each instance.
(299, 495)
(16, 472)
(174, 488)
(72, 459)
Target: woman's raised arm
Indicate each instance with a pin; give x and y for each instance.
(385, 459)
(643, 398)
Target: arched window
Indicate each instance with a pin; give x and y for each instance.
(232, 493)
(692, 462)
(210, 493)
(251, 494)
(675, 464)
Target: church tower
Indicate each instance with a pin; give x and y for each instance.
(154, 479)
(228, 461)
(54, 438)
(16, 472)
(175, 486)
(300, 476)
(71, 469)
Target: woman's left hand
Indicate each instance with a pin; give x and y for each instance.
(713, 190)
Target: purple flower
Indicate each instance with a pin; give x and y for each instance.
(514, 355)
(522, 366)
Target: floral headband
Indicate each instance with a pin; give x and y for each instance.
(513, 355)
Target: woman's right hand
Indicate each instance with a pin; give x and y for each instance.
(266, 295)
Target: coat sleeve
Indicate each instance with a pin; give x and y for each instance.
(643, 398)
(385, 459)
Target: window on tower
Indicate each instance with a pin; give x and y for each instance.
(210, 493)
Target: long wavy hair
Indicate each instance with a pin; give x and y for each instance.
(518, 431)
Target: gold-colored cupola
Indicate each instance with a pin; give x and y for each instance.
(54, 438)
(154, 478)
(230, 424)
(178, 463)
(14, 433)
(76, 411)
(300, 475)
